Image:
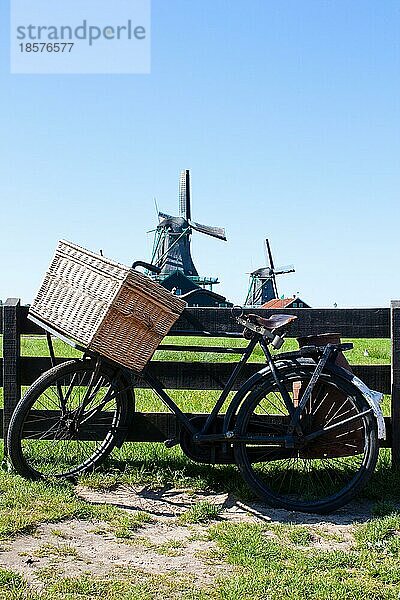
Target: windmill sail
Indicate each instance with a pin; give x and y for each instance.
(285, 269)
(184, 195)
(217, 232)
(269, 254)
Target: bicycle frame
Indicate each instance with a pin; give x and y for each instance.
(158, 388)
(203, 436)
(324, 355)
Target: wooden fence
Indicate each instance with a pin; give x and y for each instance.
(375, 323)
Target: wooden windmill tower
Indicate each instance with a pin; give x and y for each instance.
(263, 285)
(171, 248)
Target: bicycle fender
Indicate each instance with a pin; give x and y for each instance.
(251, 382)
(372, 397)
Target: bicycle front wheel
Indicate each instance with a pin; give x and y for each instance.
(69, 420)
(332, 459)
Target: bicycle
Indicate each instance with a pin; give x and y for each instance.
(303, 431)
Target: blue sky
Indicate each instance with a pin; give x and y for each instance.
(287, 113)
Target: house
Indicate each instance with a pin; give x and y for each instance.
(280, 303)
(182, 284)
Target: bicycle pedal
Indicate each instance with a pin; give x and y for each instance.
(171, 443)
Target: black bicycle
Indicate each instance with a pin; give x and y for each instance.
(303, 431)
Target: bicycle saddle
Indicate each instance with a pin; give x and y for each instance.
(274, 321)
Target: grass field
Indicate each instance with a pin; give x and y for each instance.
(365, 351)
(263, 560)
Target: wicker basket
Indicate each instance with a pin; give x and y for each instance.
(105, 306)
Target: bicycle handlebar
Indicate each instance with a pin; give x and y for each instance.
(148, 266)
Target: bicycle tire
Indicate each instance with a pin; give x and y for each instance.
(327, 472)
(52, 433)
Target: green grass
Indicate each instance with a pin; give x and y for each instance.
(14, 587)
(62, 550)
(203, 401)
(125, 585)
(275, 569)
(122, 584)
(155, 466)
(170, 548)
(291, 533)
(378, 351)
(37, 346)
(365, 351)
(383, 507)
(201, 512)
(25, 504)
(381, 535)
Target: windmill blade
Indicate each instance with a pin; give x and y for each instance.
(269, 254)
(285, 269)
(216, 232)
(274, 285)
(184, 195)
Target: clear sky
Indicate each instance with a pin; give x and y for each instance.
(287, 113)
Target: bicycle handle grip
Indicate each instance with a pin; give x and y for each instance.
(148, 266)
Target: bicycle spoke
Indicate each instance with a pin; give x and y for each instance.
(62, 434)
(313, 470)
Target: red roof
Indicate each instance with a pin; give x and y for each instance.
(278, 303)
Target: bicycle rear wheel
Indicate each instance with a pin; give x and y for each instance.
(317, 475)
(69, 420)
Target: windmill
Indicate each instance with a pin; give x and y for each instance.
(171, 249)
(263, 285)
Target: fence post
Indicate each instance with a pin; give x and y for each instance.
(11, 362)
(395, 407)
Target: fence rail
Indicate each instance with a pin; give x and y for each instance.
(349, 323)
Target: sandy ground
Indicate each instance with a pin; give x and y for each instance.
(73, 548)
